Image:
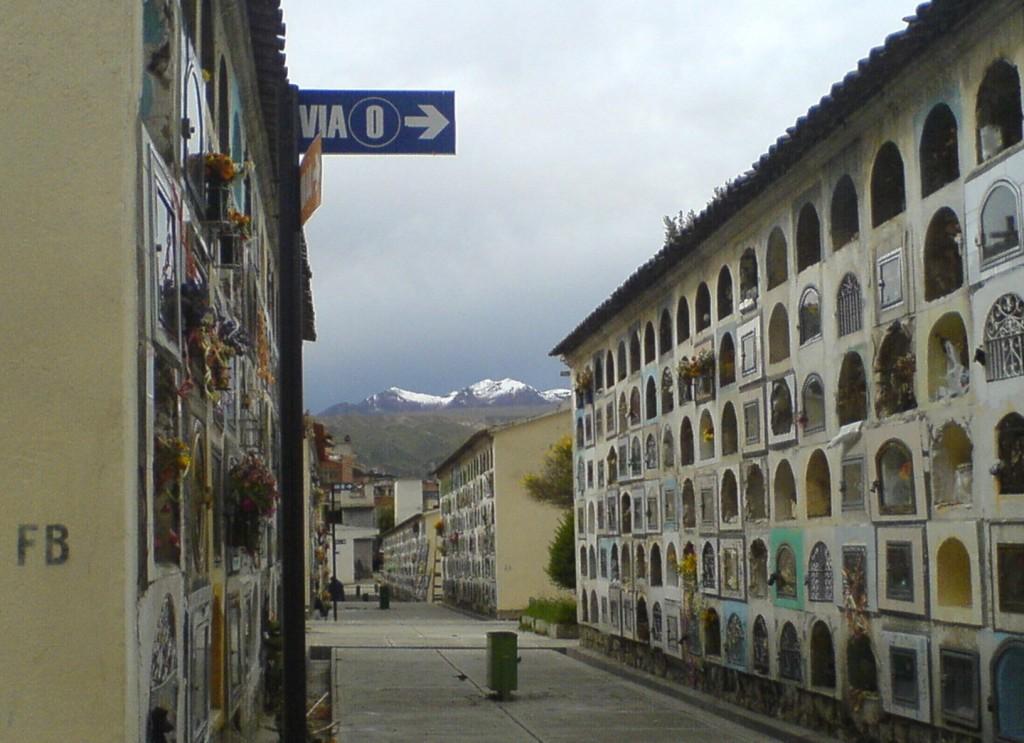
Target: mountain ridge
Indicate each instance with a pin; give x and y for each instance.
(487, 393)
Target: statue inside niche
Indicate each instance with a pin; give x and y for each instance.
(957, 377)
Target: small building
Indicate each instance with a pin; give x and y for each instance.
(496, 536)
(410, 556)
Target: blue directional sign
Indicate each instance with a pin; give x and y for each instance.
(378, 122)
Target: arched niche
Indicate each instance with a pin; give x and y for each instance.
(665, 332)
(724, 293)
(852, 392)
(730, 499)
(888, 190)
(754, 492)
(748, 279)
(861, 668)
(634, 352)
(730, 433)
(651, 399)
(609, 370)
(656, 574)
(808, 237)
(784, 488)
(702, 306)
(689, 506)
(650, 344)
(707, 436)
(776, 262)
(948, 362)
(823, 657)
(819, 486)
(894, 370)
(622, 362)
(671, 566)
(1010, 450)
(939, 156)
(726, 361)
(845, 219)
(943, 262)
(953, 574)
(668, 401)
(682, 320)
(998, 110)
(686, 448)
(952, 468)
(758, 569)
(778, 334)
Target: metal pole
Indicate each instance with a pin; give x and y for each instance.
(334, 553)
(293, 614)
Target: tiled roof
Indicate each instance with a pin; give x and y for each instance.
(931, 21)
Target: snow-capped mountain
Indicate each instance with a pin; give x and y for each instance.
(482, 394)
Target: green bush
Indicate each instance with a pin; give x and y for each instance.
(553, 611)
(562, 554)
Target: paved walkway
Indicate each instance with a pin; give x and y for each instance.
(418, 672)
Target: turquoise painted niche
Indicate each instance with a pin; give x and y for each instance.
(791, 575)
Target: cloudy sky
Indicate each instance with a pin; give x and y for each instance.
(580, 125)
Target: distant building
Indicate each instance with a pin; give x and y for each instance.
(495, 535)
(800, 427)
(410, 558)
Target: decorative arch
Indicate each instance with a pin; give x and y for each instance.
(584, 572)
(781, 403)
(615, 563)
(888, 192)
(668, 447)
(627, 521)
(640, 564)
(948, 363)
(592, 562)
(665, 332)
(952, 468)
(689, 505)
(894, 463)
(634, 352)
(613, 465)
(668, 401)
(849, 306)
(609, 370)
(682, 320)
(735, 641)
(707, 436)
(643, 627)
(709, 567)
(761, 652)
(656, 575)
(702, 306)
(776, 261)
(591, 519)
(790, 659)
(852, 393)
(819, 573)
(726, 361)
(954, 575)
(1010, 449)
(823, 656)
(650, 344)
(813, 403)
(651, 452)
(808, 237)
(784, 488)
(686, 448)
(758, 569)
(748, 279)
(845, 218)
(622, 363)
(730, 430)
(1004, 338)
(754, 494)
(730, 499)
(819, 486)
(712, 632)
(634, 406)
(943, 262)
(671, 566)
(724, 293)
(894, 371)
(651, 399)
(998, 110)
(635, 457)
(939, 156)
(809, 320)
(627, 565)
(778, 335)
(595, 615)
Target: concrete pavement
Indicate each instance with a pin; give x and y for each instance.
(418, 672)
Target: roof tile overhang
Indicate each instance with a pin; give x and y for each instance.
(930, 22)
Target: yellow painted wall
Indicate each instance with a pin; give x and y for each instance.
(524, 527)
(68, 442)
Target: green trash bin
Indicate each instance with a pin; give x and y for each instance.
(385, 597)
(502, 662)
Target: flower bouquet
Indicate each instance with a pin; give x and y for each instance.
(254, 497)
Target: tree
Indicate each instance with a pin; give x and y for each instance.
(554, 483)
(385, 518)
(562, 553)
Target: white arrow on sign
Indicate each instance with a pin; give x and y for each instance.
(433, 123)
